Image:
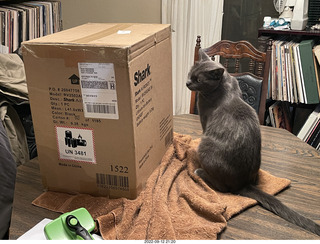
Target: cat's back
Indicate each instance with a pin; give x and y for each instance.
(235, 120)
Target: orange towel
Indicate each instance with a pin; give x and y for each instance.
(175, 204)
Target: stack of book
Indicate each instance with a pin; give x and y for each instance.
(310, 132)
(280, 116)
(294, 75)
(26, 21)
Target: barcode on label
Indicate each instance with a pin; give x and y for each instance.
(109, 108)
(87, 70)
(112, 180)
(94, 84)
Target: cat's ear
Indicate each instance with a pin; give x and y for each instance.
(216, 74)
(203, 56)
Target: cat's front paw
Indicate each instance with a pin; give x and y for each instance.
(198, 171)
(203, 175)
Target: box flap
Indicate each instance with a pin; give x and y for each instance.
(121, 35)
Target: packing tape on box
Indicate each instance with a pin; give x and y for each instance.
(103, 33)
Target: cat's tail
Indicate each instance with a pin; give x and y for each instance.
(272, 204)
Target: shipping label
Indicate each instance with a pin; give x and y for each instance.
(98, 87)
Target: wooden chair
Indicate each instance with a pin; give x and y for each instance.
(237, 55)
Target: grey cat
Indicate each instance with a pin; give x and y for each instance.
(230, 149)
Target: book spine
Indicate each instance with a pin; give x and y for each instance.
(313, 132)
(28, 20)
(316, 137)
(308, 71)
(283, 73)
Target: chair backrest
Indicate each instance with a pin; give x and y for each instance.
(249, 65)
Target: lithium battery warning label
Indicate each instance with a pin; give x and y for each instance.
(75, 144)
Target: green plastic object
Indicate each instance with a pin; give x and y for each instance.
(75, 225)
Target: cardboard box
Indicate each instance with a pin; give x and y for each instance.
(101, 102)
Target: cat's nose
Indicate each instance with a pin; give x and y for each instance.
(188, 83)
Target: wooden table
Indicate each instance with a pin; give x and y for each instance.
(283, 155)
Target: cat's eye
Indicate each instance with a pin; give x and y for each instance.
(198, 80)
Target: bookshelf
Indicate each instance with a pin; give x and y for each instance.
(299, 111)
(25, 20)
(21, 21)
(272, 32)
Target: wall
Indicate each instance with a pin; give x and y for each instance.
(77, 12)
